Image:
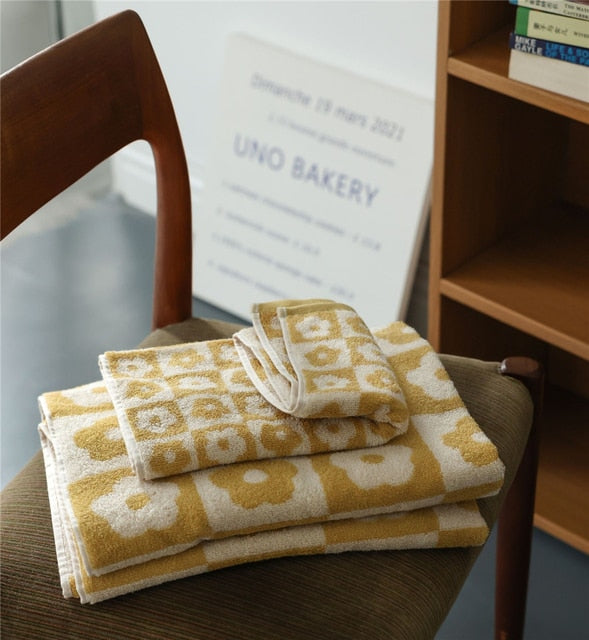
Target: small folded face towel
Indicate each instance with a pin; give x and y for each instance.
(194, 406)
(116, 533)
(317, 359)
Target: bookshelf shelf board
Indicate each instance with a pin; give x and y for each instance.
(536, 280)
(562, 490)
(486, 63)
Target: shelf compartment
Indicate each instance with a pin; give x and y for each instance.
(535, 280)
(486, 64)
(562, 490)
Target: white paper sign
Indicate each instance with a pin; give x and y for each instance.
(317, 186)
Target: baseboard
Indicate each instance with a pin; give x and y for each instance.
(134, 178)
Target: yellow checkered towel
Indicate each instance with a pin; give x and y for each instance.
(192, 406)
(316, 359)
(116, 532)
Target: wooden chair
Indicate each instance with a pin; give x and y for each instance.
(64, 111)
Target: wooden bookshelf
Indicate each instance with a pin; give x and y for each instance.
(509, 263)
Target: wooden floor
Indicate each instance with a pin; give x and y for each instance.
(76, 283)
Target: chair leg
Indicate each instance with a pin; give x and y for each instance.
(517, 514)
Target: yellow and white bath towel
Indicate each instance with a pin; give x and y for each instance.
(116, 532)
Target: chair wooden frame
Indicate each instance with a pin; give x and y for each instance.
(40, 161)
(516, 519)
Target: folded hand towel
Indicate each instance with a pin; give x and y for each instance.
(317, 358)
(192, 406)
(116, 520)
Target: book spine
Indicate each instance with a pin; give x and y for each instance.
(561, 7)
(549, 26)
(548, 49)
(550, 74)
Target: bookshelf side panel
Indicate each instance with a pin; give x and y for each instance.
(436, 220)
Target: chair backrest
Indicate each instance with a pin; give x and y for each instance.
(70, 107)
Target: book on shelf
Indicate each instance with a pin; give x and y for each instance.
(548, 49)
(571, 8)
(553, 27)
(549, 73)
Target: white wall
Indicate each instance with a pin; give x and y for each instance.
(391, 42)
(27, 27)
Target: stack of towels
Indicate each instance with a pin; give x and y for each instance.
(306, 433)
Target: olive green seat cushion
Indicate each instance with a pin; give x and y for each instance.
(393, 595)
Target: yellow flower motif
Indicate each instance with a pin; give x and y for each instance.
(473, 445)
(210, 408)
(322, 356)
(224, 446)
(279, 438)
(156, 420)
(394, 413)
(356, 323)
(333, 434)
(144, 389)
(102, 440)
(135, 367)
(329, 410)
(137, 502)
(205, 381)
(432, 378)
(313, 327)
(368, 352)
(228, 353)
(398, 333)
(169, 458)
(96, 396)
(330, 381)
(237, 380)
(270, 321)
(78, 401)
(185, 359)
(132, 508)
(223, 353)
(370, 469)
(382, 379)
(253, 404)
(253, 484)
